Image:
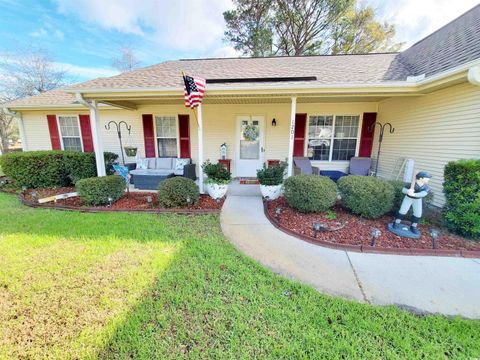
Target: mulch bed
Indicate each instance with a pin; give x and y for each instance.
(357, 230)
(135, 201)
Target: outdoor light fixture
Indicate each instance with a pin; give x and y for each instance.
(274, 122)
(24, 190)
(110, 201)
(278, 211)
(375, 235)
(150, 201)
(34, 196)
(317, 226)
(434, 234)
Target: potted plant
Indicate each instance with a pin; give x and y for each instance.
(271, 180)
(218, 178)
(130, 150)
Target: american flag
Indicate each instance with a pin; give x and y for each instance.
(194, 89)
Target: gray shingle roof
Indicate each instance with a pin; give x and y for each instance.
(328, 69)
(454, 44)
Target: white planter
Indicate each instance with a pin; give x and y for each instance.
(271, 192)
(216, 191)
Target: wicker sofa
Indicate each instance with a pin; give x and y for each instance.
(150, 172)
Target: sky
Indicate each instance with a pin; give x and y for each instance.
(84, 35)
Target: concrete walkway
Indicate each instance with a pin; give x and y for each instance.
(449, 286)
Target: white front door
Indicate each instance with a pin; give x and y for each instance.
(250, 145)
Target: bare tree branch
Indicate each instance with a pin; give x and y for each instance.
(126, 61)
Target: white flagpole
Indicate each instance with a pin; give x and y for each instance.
(200, 147)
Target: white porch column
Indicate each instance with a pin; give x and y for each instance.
(293, 111)
(97, 143)
(21, 131)
(200, 148)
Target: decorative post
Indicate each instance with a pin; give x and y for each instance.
(293, 111)
(380, 139)
(119, 132)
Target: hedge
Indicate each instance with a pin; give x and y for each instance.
(96, 190)
(366, 196)
(310, 193)
(461, 213)
(177, 192)
(35, 169)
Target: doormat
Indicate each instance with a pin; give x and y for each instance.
(248, 181)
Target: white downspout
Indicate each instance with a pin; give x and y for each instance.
(95, 125)
(474, 75)
(293, 112)
(21, 126)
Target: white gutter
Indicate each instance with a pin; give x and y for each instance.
(21, 126)
(474, 75)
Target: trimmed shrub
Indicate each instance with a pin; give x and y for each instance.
(272, 175)
(461, 213)
(177, 192)
(310, 193)
(96, 190)
(35, 169)
(366, 196)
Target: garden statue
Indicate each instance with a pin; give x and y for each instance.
(414, 193)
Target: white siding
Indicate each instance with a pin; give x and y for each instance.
(433, 130)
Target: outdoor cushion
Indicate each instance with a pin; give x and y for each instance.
(152, 172)
(360, 165)
(178, 172)
(151, 163)
(304, 164)
(180, 163)
(142, 164)
(164, 163)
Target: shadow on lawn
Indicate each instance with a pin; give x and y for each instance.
(16, 218)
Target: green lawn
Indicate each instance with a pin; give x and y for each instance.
(139, 286)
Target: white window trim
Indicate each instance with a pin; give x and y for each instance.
(177, 132)
(357, 147)
(60, 129)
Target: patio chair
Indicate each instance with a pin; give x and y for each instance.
(360, 166)
(302, 166)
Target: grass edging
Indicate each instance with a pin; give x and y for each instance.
(56, 206)
(471, 254)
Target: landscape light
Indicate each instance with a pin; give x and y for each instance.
(150, 201)
(317, 226)
(434, 234)
(278, 211)
(375, 235)
(110, 201)
(34, 196)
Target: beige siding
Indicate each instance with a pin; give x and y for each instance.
(432, 129)
(219, 127)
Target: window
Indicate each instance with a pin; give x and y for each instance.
(332, 137)
(70, 133)
(166, 127)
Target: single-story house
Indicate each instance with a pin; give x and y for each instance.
(322, 107)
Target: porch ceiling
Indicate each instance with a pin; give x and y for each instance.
(133, 102)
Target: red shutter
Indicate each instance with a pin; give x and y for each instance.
(184, 132)
(86, 130)
(54, 135)
(299, 136)
(368, 133)
(148, 135)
